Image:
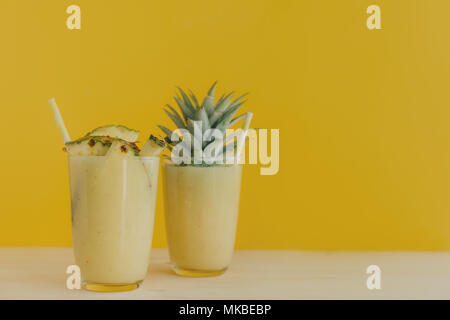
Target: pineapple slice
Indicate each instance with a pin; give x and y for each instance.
(152, 147)
(114, 131)
(122, 148)
(88, 146)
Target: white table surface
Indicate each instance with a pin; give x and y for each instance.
(39, 273)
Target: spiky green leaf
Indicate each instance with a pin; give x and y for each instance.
(237, 119)
(186, 111)
(219, 110)
(169, 135)
(194, 99)
(208, 102)
(186, 100)
(224, 122)
(176, 114)
(176, 119)
(238, 100)
(167, 131)
(219, 101)
(190, 126)
(201, 115)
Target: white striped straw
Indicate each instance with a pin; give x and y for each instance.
(59, 120)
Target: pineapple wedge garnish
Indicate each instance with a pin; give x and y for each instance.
(113, 131)
(152, 147)
(122, 148)
(88, 146)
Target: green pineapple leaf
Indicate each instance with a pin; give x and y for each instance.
(168, 135)
(190, 126)
(201, 115)
(220, 108)
(237, 119)
(187, 101)
(208, 102)
(194, 99)
(165, 130)
(175, 118)
(219, 101)
(187, 112)
(237, 100)
(219, 115)
(224, 122)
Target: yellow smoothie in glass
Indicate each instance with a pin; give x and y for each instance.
(113, 206)
(201, 211)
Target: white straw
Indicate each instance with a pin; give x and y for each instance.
(241, 140)
(59, 120)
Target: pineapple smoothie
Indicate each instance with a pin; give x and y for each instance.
(113, 195)
(201, 216)
(113, 205)
(201, 193)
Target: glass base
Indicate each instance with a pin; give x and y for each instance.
(198, 273)
(110, 287)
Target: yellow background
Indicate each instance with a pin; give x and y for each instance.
(363, 115)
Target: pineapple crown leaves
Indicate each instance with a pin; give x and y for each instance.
(212, 115)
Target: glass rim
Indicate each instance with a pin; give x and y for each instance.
(126, 158)
(168, 161)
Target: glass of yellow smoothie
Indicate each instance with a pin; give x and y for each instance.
(113, 207)
(201, 212)
(113, 194)
(202, 181)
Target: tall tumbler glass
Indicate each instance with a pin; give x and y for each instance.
(113, 208)
(201, 211)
